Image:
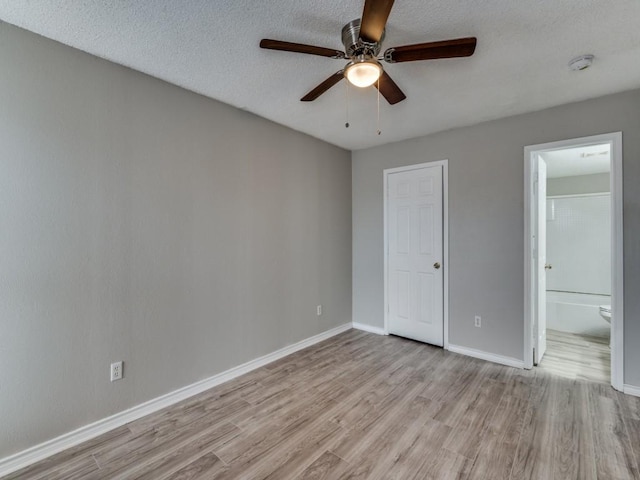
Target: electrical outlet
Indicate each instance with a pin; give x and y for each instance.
(116, 371)
(478, 321)
(319, 310)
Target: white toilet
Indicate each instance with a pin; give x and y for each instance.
(605, 312)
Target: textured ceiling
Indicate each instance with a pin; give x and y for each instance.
(211, 47)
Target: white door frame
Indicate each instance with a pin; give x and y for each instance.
(445, 240)
(617, 264)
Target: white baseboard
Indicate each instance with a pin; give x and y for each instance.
(369, 328)
(40, 452)
(631, 390)
(490, 357)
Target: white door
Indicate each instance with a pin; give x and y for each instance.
(415, 263)
(540, 247)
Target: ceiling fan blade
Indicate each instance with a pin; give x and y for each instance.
(389, 89)
(300, 48)
(374, 19)
(323, 87)
(459, 47)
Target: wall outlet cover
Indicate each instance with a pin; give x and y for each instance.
(116, 371)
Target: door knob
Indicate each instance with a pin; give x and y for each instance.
(548, 266)
(436, 265)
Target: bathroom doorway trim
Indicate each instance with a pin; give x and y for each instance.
(617, 264)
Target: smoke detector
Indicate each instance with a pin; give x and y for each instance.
(581, 63)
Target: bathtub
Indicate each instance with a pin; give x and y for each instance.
(577, 313)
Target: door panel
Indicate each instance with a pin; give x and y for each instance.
(426, 289)
(415, 249)
(403, 294)
(426, 233)
(404, 230)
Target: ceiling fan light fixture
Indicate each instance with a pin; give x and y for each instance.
(363, 72)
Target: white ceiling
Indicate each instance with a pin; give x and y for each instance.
(578, 161)
(211, 47)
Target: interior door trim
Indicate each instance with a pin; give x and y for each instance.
(445, 240)
(617, 263)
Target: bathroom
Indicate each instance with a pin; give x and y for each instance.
(578, 263)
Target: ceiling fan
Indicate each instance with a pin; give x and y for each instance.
(362, 40)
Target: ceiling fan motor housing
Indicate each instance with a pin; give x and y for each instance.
(354, 46)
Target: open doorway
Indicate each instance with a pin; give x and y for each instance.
(573, 258)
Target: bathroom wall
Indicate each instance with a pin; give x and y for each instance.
(594, 183)
(579, 251)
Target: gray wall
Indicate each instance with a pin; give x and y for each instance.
(144, 223)
(578, 184)
(486, 170)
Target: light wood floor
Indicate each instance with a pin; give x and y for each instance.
(577, 356)
(365, 406)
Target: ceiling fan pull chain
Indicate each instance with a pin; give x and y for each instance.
(346, 95)
(378, 96)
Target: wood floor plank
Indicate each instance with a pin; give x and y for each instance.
(444, 464)
(363, 403)
(633, 430)
(149, 448)
(469, 430)
(272, 409)
(630, 406)
(577, 356)
(271, 432)
(170, 420)
(376, 422)
(377, 407)
(630, 410)
(455, 389)
(208, 466)
(82, 469)
(383, 444)
(534, 455)
(174, 460)
(614, 454)
(293, 459)
(326, 467)
(416, 448)
(572, 433)
(288, 455)
(498, 444)
(79, 453)
(517, 382)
